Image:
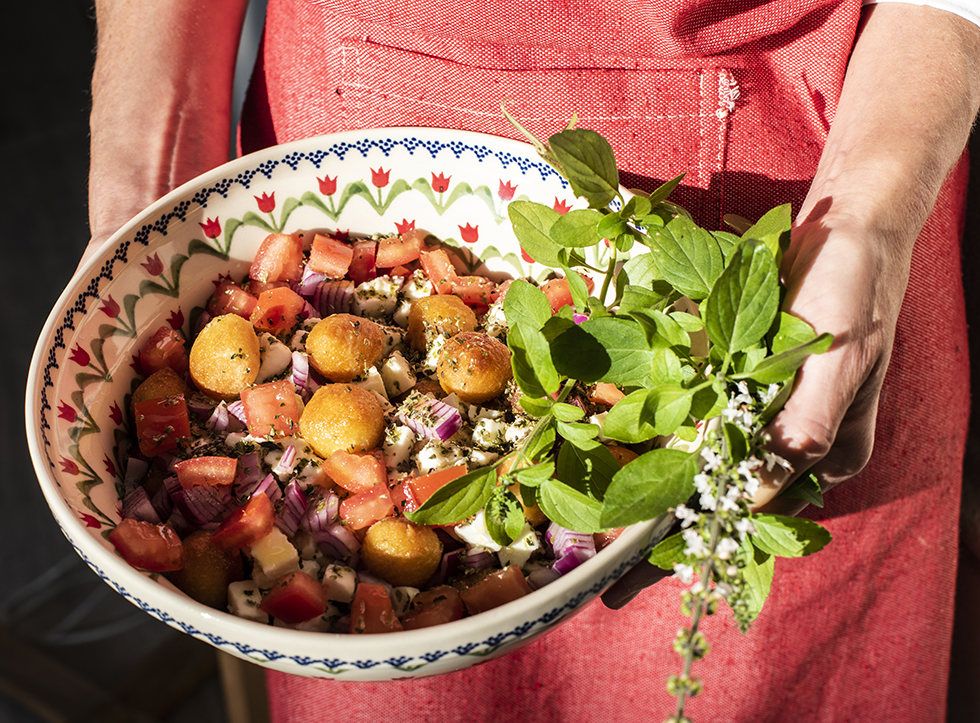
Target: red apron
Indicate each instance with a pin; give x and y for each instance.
(739, 96)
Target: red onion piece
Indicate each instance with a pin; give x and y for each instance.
(479, 558)
(137, 506)
(310, 281)
(562, 540)
(579, 318)
(162, 502)
(199, 405)
(301, 369)
(218, 420)
(293, 509)
(322, 511)
(541, 577)
(203, 503)
(270, 486)
(248, 475)
(337, 541)
(428, 417)
(136, 469)
(286, 463)
(332, 296)
(572, 559)
(237, 410)
(450, 563)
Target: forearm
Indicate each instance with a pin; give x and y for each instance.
(161, 100)
(909, 100)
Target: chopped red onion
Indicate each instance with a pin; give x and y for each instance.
(301, 369)
(248, 475)
(579, 318)
(293, 509)
(199, 405)
(337, 541)
(310, 281)
(449, 564)
(218, 420)
(365, 576)
(137, 506)
(286, 463)
(136, 470)
(562, 540)
(322, 511)
(429, 417)
(162, 502)
(541, 577)
(479, 558)
(202, 503)
(332, 296)
(202, 321)
(572, 559)
(270, 486)
(237, 410)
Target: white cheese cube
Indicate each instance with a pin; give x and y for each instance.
(494, 321)
(475, 533)
(518, 430)
(275, 357)
(391, 337)
(243, 600)
(435, 456)
(489, 434)
(520, 550)
(339, 582)
(434, 344)
(398, 446)
(320, 624)
(417, 286)
(274, 555)
(376, 297)
(397, 374)
(400, 316)
(599, 420)
(374, 382)
(401, 599)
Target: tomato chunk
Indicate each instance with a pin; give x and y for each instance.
(330, 256)
(372, 611)
(495, 589)
(439, 269)
(605, 393)
(423, 487)
(230, 298)
(164, 349)
(362, 265)
(156, 548)
(475, 291)
(439, 605)
(208, 471)
(367, 507)
(295, 598)
(277, 310)
(160, 423)
(249, 523)
(398, 250)
(560, 294)
(271, 409)
(279, 258)
(355, 472)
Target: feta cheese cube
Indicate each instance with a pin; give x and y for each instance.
(339, 581)
(435, 456)
(520, 550)
(489, 434)
(275, 357)
(398, 445)
(397, 374)
(243, 601)
(274, 555)
(374, 382)
(494, 321)
(401, 599)
(376, 297)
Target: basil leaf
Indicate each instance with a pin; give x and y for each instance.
(666, 407)
(727, 242)
(736, 442)
(456, 500)
(757, 577)
(641, 270)
(745, 299)
(780, 367)
(623, 421)
(504, 517)
(577, 287)
(540, 448)
(535, 406)
(613, 225)
(526, 304)
(531, 223)
(688, 322)
(649, 486)
(589, 164)
(775, 404)
(535, 475)
(806, 487)
(588, 469)
(709, 400)
(582, 434)
(689, 257)
(788, 536)
(607, 349)
(577, 228)
(774, 230)
(636, 297)
(660, 329)
(664, 190)
(567, 412)
(530, 361)
(790, 331)
(568, 507)
(669, 551)
(640, 205)
(665, 366)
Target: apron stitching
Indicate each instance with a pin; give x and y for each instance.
(728, 93)
(431, 104)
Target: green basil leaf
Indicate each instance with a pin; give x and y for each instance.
(457, 500)
(745, 299)
(788, 536)
(757, 577)
(641, 270)
(535, 475)
(661, 329)
(568, 507)
(669, 551)
(636, 297)
(736, 442)
(806, 487)
(613, 225)
(666, 407)
(688, 322)
(526, 304)
(567, 412)
(540, 448)
(665, 367)
(689, 257)
(535, 406)
(577, 287)
(623, 421)
(728, 242)
(660, 194)
(782, 366)
(588, 470)
(790, 331)
(607, 349)
(532, 223)
(589, 164)
(580, 433)
(638, 205)
(649, 486)
(577, 228)
(530, 361)
(709, 400)
(504, 517)
(774, 230)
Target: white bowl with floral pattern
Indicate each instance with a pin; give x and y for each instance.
(161, 266)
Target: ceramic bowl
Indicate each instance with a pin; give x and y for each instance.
(160, 267)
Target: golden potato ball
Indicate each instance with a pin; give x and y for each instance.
(343, 347)
(444, 313)
(401, 552)
(207, 571)
(474, 366)
(342, 417)
(225, 359)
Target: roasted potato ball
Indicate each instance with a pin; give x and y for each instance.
(401, 552)
(443, 313)
(474, 366)
(224, 359)
(207, 571)
(342, 417)
(343, 347)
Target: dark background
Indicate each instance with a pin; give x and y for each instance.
(71, 649)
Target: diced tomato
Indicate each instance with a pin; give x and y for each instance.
(367, 507)
(439, 269)
(495, 589)
(164, 349)
(295, 598)
(398, 250)
(257, 287)
(230, 298)
(439, 605)
(148, 546)
(208, 471)
(279, 258)
(160, 423)
(271, 409)
(475, 291)
(399, 271)
(605, 393)
(246, 525)
(278, 310)
(403, 498)
(362, 265)
(423, 487)
(372, 611)
(355, 472)
(604, 539)
(501, 291)
(330, 256)
(559, 294)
